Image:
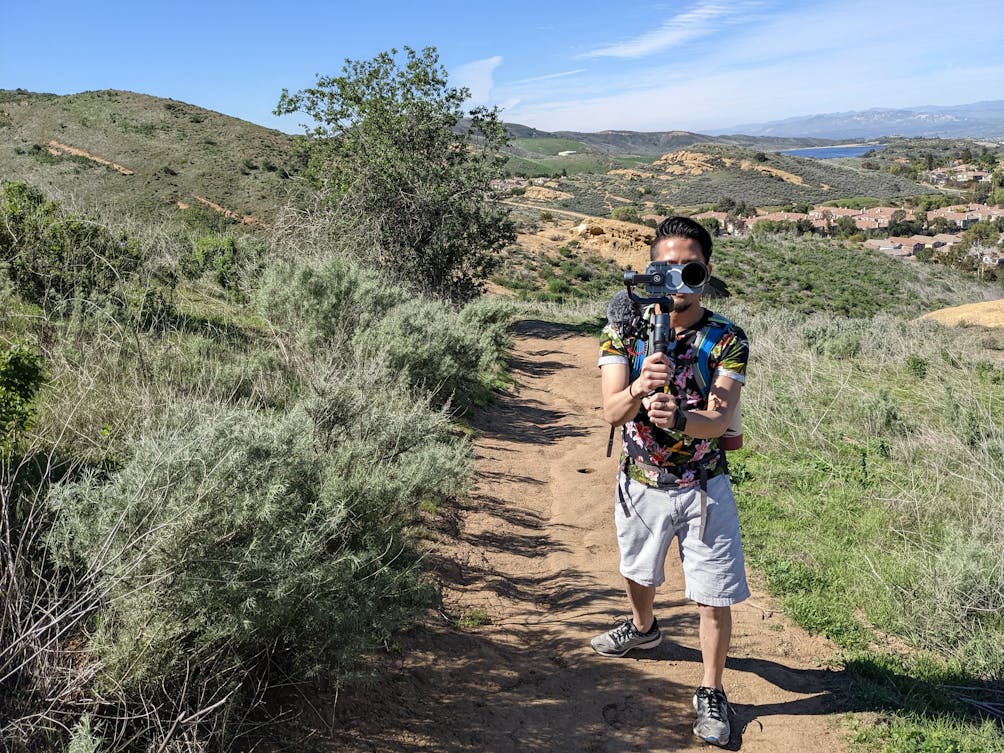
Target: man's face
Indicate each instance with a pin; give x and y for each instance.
(681, 251)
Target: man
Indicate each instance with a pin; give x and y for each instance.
(673, 480)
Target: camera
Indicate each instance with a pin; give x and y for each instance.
(662, 279)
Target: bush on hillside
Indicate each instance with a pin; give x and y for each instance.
(338, 308)
(234, 544)
(20, 378)
(234, 262)
(54, 257)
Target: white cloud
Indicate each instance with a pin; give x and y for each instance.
(547, 77)
(477, 76)
(675, 31)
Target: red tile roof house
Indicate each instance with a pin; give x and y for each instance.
(946, 239)
(985, 212)
(962, 219)
(909, 245)
(883, 244)
(781, 217)
(970, 176)
(870, 223)
(733, 226)
(885, 213)
(820, 213)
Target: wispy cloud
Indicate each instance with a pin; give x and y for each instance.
(548, 77)
(478, 77)
(692, 24)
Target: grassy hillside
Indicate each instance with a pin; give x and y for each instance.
(176, 152)
(835, 277)
(550, 261)
(705, 174)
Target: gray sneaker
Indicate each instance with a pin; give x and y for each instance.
(712, 724)
(625, 637)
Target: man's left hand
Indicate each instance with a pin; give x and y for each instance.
(661, 407)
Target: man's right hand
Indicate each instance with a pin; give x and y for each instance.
(654, 374)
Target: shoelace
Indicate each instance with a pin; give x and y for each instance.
(624, 631)
(715, 702)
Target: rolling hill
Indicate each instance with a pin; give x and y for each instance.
(123, 152)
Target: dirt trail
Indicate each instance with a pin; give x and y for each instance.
(535, 550)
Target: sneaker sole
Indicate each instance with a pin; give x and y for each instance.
(651, 644)
(712, 740)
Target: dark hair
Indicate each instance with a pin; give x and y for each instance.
(682, 227)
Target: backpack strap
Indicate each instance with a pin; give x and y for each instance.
(637, 356)
(708, 338)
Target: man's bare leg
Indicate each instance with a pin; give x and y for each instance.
(642, 599)
(715, 635)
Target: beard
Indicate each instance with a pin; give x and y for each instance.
(679, 307)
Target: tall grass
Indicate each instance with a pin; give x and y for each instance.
(871, 490)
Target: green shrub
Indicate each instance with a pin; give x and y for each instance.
(244, 543)
(324, 306)
(341, 309)
(54, 257)
(558, 286)
(626, 214)
(20, 378)
(917, 365)
(436, 350)
(234, 262)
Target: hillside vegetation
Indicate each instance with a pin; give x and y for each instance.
(176, 152)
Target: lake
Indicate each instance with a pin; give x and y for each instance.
(832, 152)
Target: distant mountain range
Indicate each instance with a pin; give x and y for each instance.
(981, 120)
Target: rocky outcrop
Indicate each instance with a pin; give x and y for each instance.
(625, 242)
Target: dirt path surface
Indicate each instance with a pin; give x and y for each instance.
(535, 552)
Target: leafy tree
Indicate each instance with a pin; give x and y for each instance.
(626, 214)
(712, 225)
(845, 227)
(394, 152)
(980, 234)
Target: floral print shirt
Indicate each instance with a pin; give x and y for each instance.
(672, 451)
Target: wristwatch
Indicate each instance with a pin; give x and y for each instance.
(679, 421)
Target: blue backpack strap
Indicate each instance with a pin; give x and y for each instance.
(641, 346)
(710, 335)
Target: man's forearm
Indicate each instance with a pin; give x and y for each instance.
(706, 424)
(622, 406)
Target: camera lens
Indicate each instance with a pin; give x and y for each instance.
(693, 275)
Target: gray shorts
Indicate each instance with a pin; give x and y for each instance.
(713, 569)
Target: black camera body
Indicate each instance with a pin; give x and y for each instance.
(662, 280)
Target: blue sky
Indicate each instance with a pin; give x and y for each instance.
(586, 66)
